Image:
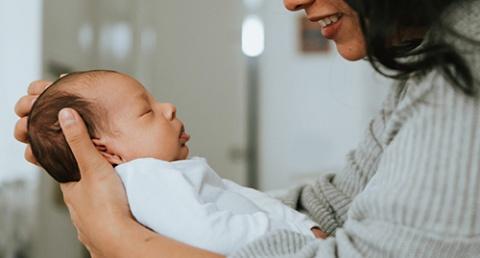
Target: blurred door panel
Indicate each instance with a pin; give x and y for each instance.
(190, 54)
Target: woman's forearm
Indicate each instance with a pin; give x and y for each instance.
(136, 241)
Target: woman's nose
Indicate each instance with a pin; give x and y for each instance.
(169, 110)
(295, 5)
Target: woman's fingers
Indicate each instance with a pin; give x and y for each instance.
(22, 136)
(88, 158)
(319, 233)
(22, 109)
(97, 203)
(29, 156)
(24, 105)
(20, 131)
(37, 87)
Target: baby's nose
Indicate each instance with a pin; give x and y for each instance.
(169, 111)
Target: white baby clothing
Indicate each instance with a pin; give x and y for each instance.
(187, 201)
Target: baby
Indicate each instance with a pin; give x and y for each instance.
(175, 196)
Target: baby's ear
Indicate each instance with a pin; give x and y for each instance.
(111, 157)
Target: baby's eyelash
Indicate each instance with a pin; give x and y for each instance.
(146, 113)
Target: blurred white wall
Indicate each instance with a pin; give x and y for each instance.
(20, 58)
(314, 108)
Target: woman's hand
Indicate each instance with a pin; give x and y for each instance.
(22, 108)
(97, 203)
(319, 233)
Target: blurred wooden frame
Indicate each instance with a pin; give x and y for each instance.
(311, 37)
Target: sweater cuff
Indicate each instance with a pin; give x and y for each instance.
(319, 210)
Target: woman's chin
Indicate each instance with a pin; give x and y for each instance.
(351, 53)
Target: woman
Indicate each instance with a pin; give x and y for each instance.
(411, 188)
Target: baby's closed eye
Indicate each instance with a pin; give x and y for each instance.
(148, 112)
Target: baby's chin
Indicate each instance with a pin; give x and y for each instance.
(182, 154)
(184, 151)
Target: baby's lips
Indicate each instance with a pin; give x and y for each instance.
(184, 137)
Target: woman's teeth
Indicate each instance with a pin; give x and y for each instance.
(325, 22)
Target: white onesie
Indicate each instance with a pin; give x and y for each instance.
(187, 201)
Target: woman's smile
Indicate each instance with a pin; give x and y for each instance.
(330, 24)
(339, 23)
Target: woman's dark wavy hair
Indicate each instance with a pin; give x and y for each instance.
(381, 21)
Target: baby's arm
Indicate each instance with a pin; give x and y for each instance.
(275, 208)
(165, 202)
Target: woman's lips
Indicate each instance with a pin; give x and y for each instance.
(330, 23)
(331, 31)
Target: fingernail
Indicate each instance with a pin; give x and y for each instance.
(66, 117)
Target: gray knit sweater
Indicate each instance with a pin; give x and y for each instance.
(412, 187)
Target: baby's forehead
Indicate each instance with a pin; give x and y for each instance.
(81, 83)
(102, 85)
(112, 92)
(91, 82)
(115, 92)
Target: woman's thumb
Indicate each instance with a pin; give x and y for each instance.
(76, 134)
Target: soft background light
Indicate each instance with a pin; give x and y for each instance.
(253, 36)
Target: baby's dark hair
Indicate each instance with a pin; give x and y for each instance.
(45, 134)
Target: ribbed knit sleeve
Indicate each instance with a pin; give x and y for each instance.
(423, 200)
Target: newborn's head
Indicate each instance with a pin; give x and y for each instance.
(123, 120)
